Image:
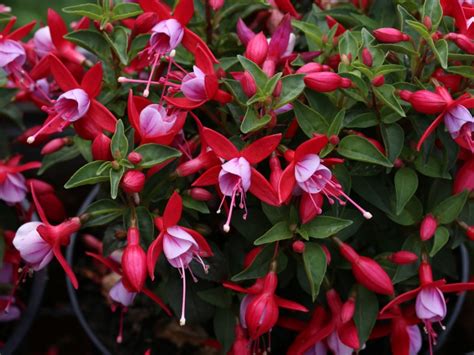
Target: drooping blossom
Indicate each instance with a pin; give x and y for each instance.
(454, 112)
(308, 172)
(42, 42)
(236, 175)
(13, 187)
(153, 123)
(180, 245)
(12, 53)
(77, 105)
(38, 242)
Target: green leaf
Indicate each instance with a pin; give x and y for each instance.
(337, 124)
(254, 70)
(312, 32)
(224, 324)
(91, 11)
(441, 50)
(153, 154)
(360, 149)
(219, 297)
(386, 94)
(252, 122)
(433, 10)
(309, 120)
(115, 178)
(91, 40)
(279, 231)
(366, 311)
(449, 209)
(125, 10)
(462, 70)
(441, 237)
(410, 215)
(406, 184)
(84, 147)
(393, 137)
(433, 167)
(102, 212)
(260, 265)
(65, 154)
(87, 175)
(314, 260)
(270, 86)
(119, 144)
(291, 87)
(193, 204)
(119, 43)
(323, 227)
(348, 44)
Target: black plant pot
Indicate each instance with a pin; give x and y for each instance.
(73, 297)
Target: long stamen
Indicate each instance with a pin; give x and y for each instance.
(170, 60)
(119, 338)
(146, 92)
(31, 139)
(318, 209)
(232, 204)
(182, 321)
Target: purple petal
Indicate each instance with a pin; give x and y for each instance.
(430, 305)
(13, 189)
(43, 42)
(11, 52)
(33, 249)
(72, 105)
(193, 85)
(415, 339)
(177, 242)
(166, 35)
(306, 167)
(154, 121)
(456, 118)
(118, 293)
(317, 349)
(337, 346)
(233, 171)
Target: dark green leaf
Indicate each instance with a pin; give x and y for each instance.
(260, 265)
(119, 144)
(323, 227)
(102, 212)
(224, 324)
(91, 40)
(309, 120)
(65, 154)
(315, 265)
(291, 87)
(441, 237)
(193, 204)
(87, 175)
(279, 231)
(125, 10)
(254, 70)
(393, 137)
(91, 11)
(449, 209)
(252, 122)
(386, 94)
(153, 154)
(464, 70)
(119, 43)
(360, 149)
(406, 184)
(366, 311)
(219, 297)
(115, 178)
(432, 9)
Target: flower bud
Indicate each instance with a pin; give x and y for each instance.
(367, 271)
(277, 91)
(298, 246)
(251, 255)
(390, 35)
(470, 232)
(203, 161)
(378, 80)
(331, 22)
(244, 33)
(367, 58)
(348, 310)
(216, 4)
(311, 68)
(326, 82)
(135, 158)
(248, 84)
(424, 101)
(310, 206)
(54, 145)
(333, 61)
(134, 262)
(450, 81)
(428, 227)
(101, 147)
(133, 181)
(462, 41)
(257, 49)
(200, 194)
(464, 178)
(427, 22)
(403, 257)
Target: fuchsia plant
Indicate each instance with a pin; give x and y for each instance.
(293, 154)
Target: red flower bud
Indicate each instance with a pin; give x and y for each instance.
(348, 310)
(367, 271)
(450, 81)
(203, 161)
(257, 49)
(244, 33)
(425, 273)
(462, 41)
(216, 4)
(248, 84)
(424, 101)
(298, 246)
(200, 194)
(54, 145)
(427, 22)
(133, 181)
(367, 58)
(326, 81)
(331, 22)
(101, 148)
(428, 227)
(251, 255)
(333, 61)
(275, 171)
(134, 262)
(310, 206)
(390, 35)
(311, 68)
(135, 158)
(379, 80)
(464, 179)
(470, 232)
(403, 257)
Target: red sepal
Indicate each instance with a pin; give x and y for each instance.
(287, 183)
(62, 75)
(192, 41)
(173, 210)
(153, 253)
(21, 32)
(261, 148)
(57, 27)
(220, 144)
(184, 103)
(184, 11)
(295, 306)
(92, 81)
(261, 188)
(209, 177)
(430, 130)
(102, 116)
(311, 146)
(157, 300)
(160, 9)
(203, 245)
(65, 265)
(348, 335)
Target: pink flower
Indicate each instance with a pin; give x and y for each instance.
(430, 305)
(459, 121)
(72, 105)
(13, 188)
(235, 176)
(43, 44)
(193, 85)
(154, 120)
(33, 249)
(166, 36)
(180, 244)
(118, 293)
(415, 339)
(12, 55)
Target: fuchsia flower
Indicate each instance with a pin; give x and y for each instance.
(166, 36)
(200, 86)
(152, 122)
(428, 227)
(38, 241)
(12, 53)
(119, 293)
(180, 245)
(339, 333)
(134, 261)
(308, 172)
(236, 176)
(260, 308)
(454, 112)
(430, 303)
(390, 35)
(78, 104)
(12, 183)
(43, 44)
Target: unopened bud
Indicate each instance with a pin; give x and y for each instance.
(378, 80)
(427, 22)
(390, 35)
(54, 145)
(200, 194)
(257, 49)
(133, 181)
(403, 257)
(428, 227)
(298, 246)
(367, 58)
(101, 147)
(135, 158)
